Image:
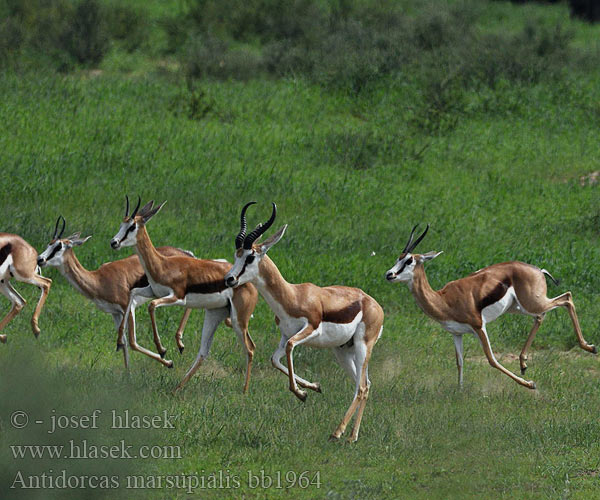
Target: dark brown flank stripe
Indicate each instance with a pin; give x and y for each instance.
(345, 315)
(495, 295)
(5, 252)
(208, 287)
(141, 283)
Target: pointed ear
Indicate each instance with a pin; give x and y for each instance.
(147, 216)
(271, 240)
(80, 241)
(430, 256)
(146, 208)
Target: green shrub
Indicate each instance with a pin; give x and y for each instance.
(128, 25)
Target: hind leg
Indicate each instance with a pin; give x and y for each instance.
(534, 329)
(212, 318)
(18, 303)
(566, 300)
(44, 285)
(458, 348)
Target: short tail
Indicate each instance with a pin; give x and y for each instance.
(187, 252)
(556, 282)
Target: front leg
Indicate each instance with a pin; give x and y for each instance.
(289, 348)
(137, 297)
(170, 300)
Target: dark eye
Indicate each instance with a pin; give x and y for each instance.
(409, 262)
(129, 229)
(249, 259)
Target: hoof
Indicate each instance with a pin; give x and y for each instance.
(301, 395)
(162, 354)
(594, 349)
(36, 334)
(333, 438)
(523, 370)
(119, 347)
(169, 364)
(352, 439)
(532, 385)
(3, 339)
(318, 389)
(181, 349)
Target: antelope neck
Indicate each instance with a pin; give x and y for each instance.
(82, 279)
(276, 291)
(150, 259)
(426, 297)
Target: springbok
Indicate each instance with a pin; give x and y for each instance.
(18, 259)
(190, 282)
(468, 304)
(109, 286)
(346, 320)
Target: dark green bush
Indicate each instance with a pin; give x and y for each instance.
(128, 25)
(85, 36)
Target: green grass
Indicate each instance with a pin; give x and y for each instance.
(351, 174)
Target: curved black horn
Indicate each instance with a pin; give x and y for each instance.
(412, 247)
(64, 223)
(239, 239)
(56, 228)
(134, 213)
(127, 206)
(260, 229)
(410, 238)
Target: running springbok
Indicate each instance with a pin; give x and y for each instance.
(189, 282)
(109, 286)
(468, 304)
(18, 259)
(346, 320)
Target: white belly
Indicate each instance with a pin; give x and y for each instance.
(493, 311)
(455, 327)
(208, 300)
(333, 334)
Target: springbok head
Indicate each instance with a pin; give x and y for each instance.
(407, 262)
(126, 236)
(248, 254)
(54, 253)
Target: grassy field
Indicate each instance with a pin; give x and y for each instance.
(501, 176)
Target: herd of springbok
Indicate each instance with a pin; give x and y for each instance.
(344, 319)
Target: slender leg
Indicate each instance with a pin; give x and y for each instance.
(212, 318)
(361, 359)
(566, 300)
(303, 334)
(276, 362)
(44, 285)
(345, 358)
(534, 329)
(179, 333)
(130, 314)
(18, 303)
(487, 349)
(458, 347)
(242, 305)
(169, 300)
(118, 319)
(141, 296)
